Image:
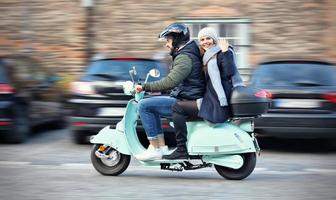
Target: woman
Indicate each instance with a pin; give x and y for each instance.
(221, 76)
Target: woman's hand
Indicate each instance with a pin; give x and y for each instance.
(138, 88)
(223, 44)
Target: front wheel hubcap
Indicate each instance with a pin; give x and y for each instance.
(112, 159)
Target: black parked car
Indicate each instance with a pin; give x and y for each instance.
(303, 99)
(98, 99)
(29, 96)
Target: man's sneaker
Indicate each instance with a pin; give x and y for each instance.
(151, 153)
(179, 153)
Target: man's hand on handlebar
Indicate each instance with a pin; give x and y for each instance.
(138, 88)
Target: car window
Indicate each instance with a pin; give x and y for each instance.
(38, 72)
(301, 74)
(21, 68)
(3, 77)
(119, 70)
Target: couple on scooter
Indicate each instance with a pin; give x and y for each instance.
(201, 80)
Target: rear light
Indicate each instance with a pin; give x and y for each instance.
(263, 94)
(6, 89)
(330, 97)
(5, 123)
(79, 124)
(84, 88)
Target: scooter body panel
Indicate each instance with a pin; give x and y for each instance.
(224, 138)
(247, 126)
(130, 122)
(124, 138)
(220, 144)
(231, 161)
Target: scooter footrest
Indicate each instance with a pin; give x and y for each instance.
(176, 167)
(183, 166)
(171, 161)
(190, 166)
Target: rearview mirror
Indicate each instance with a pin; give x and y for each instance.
(154, 73)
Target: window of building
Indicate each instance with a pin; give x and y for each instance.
(236, 31)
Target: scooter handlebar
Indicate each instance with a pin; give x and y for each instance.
(129, 89)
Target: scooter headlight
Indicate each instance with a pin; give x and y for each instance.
(128, 87)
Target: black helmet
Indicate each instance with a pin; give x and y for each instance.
(178, 31)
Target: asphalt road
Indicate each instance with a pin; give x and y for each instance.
(50, 166)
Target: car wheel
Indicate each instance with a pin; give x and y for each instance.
(21, 128)
(80, 137)
(241, 173)
(61, 123)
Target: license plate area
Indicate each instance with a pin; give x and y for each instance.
(296, 103)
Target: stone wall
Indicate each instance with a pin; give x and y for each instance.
(50, 30)
(54, 30)
(284, 29)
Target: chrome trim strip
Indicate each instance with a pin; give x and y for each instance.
(98, 101)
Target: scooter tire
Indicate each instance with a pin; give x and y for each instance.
(241, 173)
(119, 167)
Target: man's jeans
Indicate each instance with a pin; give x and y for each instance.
(150, 111)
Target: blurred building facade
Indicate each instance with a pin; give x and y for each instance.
(55, 31)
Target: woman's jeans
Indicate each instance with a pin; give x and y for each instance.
(150, 111)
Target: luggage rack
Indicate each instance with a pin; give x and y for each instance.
(240, 120)
(243, 118)
(247, 117)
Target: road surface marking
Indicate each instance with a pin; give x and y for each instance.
(139, 168)
(14, 163)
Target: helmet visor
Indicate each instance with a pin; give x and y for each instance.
(164, 36)
(163, 39)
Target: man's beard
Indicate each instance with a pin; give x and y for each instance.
(173, 51)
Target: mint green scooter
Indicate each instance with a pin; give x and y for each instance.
(230, 147)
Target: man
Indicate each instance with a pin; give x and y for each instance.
(185, 80)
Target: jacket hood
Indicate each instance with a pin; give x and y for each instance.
(191, 47)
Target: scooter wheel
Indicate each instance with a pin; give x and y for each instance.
(114, 164)
(241, 173)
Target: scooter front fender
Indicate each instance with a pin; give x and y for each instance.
(113, 138)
